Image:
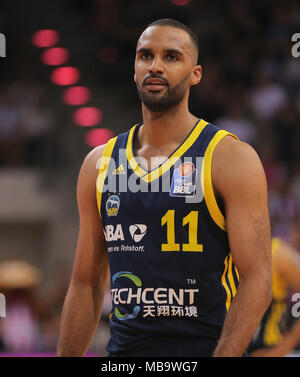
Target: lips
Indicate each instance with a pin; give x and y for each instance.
(153, 81)
(155, 84)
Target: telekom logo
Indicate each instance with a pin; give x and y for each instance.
(2, 46)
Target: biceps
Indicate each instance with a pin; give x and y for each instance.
(249, 237)
(248, 225)
(240, 181)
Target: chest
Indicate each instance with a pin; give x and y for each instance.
(150, 158)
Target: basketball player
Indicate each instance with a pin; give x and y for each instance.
(272, 338)
(175, 260)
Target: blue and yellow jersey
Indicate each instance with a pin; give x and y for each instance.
(172, 273)
(273, 323)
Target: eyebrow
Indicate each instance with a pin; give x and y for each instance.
(174, 51)
(169, 51)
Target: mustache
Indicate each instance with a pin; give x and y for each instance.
(156, 76)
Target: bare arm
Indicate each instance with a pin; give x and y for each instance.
(84, 299)
(287, 345)
(239, 179)
(286, 263)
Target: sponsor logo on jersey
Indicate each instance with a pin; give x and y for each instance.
(150, 301)
(137, 282)
(119, 170)
(114, 234)
(186, 169)
(112, 205)
(184, 180)
(138, 231)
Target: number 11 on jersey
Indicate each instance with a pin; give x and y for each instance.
(191, 219)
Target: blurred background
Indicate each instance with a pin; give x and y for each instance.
(66, 85)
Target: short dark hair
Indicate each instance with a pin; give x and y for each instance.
(179, 25)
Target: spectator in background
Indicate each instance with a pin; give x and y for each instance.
(295, 235)
(36, 121)
(290, 75)
(295, 186)
(55, 294)
(233, 121)
(26, 126)
(11, 135)
(285, 127)
(266, 97)
(37, 124)
(273, 338)
(20, 330)
(25, 92)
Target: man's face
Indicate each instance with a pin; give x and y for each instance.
(165, 67)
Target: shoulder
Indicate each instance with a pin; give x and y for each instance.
(236, 164)
(88, 173)
(92, 160)
(233, 153)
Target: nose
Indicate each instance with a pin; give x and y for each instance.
(156, 66)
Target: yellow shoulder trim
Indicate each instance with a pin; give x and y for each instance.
(206, 180)
(104, 163)
(129, 153)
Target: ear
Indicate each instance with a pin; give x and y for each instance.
(196, 75)
(134, 77)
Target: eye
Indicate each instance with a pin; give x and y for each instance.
(146, 55)
(172, 57)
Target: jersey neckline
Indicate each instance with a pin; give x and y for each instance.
(151, 175)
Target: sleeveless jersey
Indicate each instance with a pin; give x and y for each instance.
(172, 274)
(273, 323)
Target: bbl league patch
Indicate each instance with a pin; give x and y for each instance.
(112, 205)
(184, 180)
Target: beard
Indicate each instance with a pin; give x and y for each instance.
(157, 102)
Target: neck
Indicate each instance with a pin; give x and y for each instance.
(160, 128)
